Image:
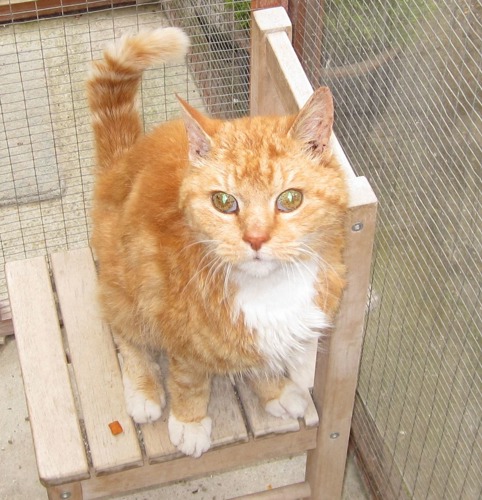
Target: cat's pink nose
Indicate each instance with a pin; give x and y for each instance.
(256, 240)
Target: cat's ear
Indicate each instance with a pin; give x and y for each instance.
(198, 129)
(314, 123)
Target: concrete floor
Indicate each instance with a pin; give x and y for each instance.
(18, 474)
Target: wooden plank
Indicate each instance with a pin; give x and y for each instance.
(94, 361)
(262, 89)
(56, 432)
(286, 71)
(266, 4)
(72, 491)
(16, 10)
(228, 424)
(338, 361)
(260, 421)
(214, 461)
(228, 421)
(157, 444)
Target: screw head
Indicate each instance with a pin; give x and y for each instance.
(334, 435)
(358, 226)
(65, 494)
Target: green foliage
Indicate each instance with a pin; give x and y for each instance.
(242, 11)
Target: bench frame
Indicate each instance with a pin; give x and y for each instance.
(278, 86)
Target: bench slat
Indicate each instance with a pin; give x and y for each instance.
(260, 421)
(56, 433)
(228, 421)
(95, 363)
(228, 424)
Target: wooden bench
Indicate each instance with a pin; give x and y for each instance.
(71, 371)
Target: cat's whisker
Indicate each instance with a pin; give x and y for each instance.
(199, 242)
(319, 258)
(216, 265)
(199, 270)
(226, 283)
(323, 267)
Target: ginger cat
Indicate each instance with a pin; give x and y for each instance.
(219, 243)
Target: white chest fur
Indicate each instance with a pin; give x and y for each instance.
(280, 309)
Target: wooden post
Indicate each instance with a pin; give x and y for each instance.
(279, 85)
(267, 4)
(263, 96)
(338, 362)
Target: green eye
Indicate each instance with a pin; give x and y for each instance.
(289, 200)
(224, 202)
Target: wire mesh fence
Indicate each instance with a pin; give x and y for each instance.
(407, 82)
(46, 155)
(406, 76)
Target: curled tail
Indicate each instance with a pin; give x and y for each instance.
(113, 84)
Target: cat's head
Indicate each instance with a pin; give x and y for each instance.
(264, 191)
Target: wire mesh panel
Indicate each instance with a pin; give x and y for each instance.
(407, 82)
(46, 156)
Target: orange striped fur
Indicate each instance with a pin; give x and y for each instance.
(179, 276)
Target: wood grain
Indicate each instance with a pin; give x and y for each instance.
(95, 364)
(219, 460)
(228, 424)
(56, 432)
(338, 361)
(260, 421)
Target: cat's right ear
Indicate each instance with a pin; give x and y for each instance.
(197, 129)
(314, 123)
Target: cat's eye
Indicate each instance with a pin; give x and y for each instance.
(224, 202)
(289, 200)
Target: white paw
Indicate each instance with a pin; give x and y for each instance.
(141, 409)
(192, 438)
(292, 403)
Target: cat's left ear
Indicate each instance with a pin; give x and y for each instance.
(314, 123)
(198, 129)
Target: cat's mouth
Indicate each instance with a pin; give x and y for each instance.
(258, 265)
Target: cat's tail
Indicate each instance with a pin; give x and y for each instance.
(113, 83)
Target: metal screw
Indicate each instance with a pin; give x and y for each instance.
(65, 494)
(358, 226)
(334, 435)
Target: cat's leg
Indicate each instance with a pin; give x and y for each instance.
(189, 390)
(280, 396)
(301, 367)
(143, 391)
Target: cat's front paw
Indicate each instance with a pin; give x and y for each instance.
(192, 438)
(141, 408)
(291, 403)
